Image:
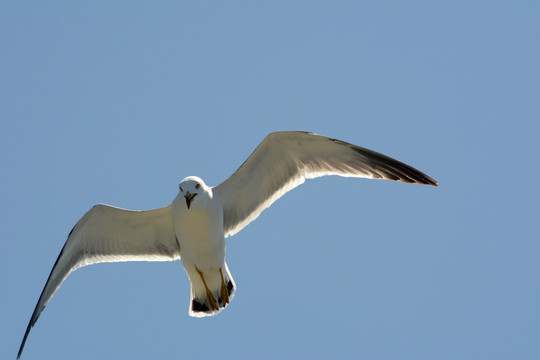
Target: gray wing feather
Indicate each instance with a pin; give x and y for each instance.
(110, 234)
(285, 159)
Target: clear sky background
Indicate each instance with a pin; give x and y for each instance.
(116, 102)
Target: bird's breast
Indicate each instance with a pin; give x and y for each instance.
(200, 236)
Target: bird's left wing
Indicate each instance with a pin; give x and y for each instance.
(285, 159)
(110, 234)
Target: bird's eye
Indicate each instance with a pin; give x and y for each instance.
(182, 190)
(197, 186)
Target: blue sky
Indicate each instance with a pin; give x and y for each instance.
(116, 102)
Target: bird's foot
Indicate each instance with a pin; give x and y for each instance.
(209, 296)
(224, 289)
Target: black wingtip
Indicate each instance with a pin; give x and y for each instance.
(425, 180)
(24, 340)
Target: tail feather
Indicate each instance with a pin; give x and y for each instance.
(221, 288)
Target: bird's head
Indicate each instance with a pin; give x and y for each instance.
(193, 187)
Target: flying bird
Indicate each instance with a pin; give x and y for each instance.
(194, 226)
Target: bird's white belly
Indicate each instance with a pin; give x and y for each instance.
(201, 239)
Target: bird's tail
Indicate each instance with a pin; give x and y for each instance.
(211, 291)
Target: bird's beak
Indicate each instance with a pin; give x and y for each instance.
(189, 198)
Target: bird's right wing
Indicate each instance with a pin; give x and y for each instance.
(110, 234)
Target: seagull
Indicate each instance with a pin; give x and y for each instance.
(194, 226)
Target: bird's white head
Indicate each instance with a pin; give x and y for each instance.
(193, 192)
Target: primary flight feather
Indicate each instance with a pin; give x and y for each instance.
(194, 226)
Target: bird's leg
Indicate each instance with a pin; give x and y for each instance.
(209, 296)
(224, 290)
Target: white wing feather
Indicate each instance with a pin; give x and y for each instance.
(110, 234)
(286, 159)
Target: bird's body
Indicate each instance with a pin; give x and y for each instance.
(194, 226)
(199, 230)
